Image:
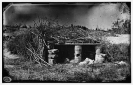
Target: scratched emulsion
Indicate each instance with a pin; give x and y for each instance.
(67, 42)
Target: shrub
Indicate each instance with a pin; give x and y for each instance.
(117, 52)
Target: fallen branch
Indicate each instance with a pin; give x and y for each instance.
(39, 57)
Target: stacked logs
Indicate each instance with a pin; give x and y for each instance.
(52, 56)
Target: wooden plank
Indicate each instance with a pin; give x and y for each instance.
(79, 44)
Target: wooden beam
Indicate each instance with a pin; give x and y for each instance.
(82, 43)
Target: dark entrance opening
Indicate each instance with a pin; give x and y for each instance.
(67, 51)
(88, 51)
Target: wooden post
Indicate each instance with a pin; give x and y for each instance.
(78, 55)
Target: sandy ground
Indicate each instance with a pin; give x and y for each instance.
(8, 54)
(124, 38)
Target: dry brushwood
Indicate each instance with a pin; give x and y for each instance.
(36, 56)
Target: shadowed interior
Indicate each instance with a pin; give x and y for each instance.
(67, 51)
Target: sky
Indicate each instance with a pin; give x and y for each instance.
(91, 15)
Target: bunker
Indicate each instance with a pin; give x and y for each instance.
(77, 49)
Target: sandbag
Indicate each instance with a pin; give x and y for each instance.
(99, 58)
(86, 61)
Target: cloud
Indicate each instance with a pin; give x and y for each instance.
(89, 15)
(104, 15)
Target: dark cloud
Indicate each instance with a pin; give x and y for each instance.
(90, 15)
(64, 13)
